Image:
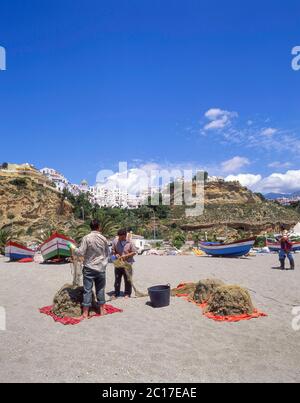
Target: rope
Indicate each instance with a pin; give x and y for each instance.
(120, 264)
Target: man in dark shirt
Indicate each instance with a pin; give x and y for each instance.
(124, 250)
(286, 251)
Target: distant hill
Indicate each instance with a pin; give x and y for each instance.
(274, 196)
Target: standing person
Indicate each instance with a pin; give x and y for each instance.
(95, 250)
(286, 247)
(124, 250)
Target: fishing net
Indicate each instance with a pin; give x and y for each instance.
(120, 264)
(184, 289)
(205, 288)
(68, 301)
(230, 300)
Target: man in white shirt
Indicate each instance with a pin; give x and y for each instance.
(95, 250)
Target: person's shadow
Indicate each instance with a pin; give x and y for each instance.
(279, 268)
(112, 293)
(276, 268)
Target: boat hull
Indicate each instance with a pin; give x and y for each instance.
(275, 246)
(15, 252)
(56, 247)
(235, 249)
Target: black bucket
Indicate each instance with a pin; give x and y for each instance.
(160, 295)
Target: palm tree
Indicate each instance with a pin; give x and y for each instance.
(79, 232)
(108, 227)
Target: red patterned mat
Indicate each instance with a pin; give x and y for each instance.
(47, 310)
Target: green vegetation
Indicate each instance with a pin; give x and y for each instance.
(20, 183)
(5, 236)
(139, 220)
(178, 240)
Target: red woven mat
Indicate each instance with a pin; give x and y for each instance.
(47, 310)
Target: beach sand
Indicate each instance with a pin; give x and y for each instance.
(142, 344)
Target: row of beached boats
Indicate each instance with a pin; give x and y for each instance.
(240, 248)
(54, 248)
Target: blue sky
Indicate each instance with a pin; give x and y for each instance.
(171, 83)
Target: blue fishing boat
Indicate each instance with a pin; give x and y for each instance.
(233, 249)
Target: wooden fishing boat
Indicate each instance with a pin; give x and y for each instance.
(274, 246)
(233, 249)
(56, 247)
(16, 251)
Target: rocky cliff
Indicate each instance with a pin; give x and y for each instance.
(233, 209)
(29, 206)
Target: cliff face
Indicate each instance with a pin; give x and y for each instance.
(229, 193)
(234, 209)
(30, 206)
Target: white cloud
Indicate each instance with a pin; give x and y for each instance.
(251, 133)
(141, 177)
(234, 164)
(288, 182)
(219, 119)
(278, 164)
(281, 183)
(248, 180)
(269, 131)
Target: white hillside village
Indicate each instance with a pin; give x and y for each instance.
(102, 195)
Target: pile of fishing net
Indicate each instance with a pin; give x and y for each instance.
(66, 308)
(187, 289)
(230, 300)
(199, 292)
(219, 301)
(68, 302)
(205, 288)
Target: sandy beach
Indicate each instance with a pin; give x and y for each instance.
(142, 344)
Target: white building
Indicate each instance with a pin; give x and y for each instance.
(215, 179)
(103, 195)
(57, 178)
(109, 197)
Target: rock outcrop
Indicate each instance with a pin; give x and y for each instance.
(233, 210)
(30, 206)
